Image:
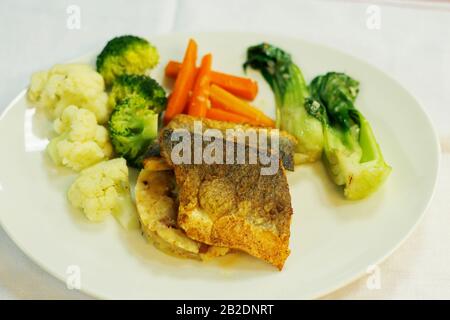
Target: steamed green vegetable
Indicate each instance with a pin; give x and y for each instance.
(290, 90)
(351, 152)
(133, 127)
(126, 55)
(130, 85)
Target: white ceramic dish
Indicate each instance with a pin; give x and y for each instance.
(333, 241)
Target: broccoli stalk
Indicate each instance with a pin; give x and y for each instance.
(133, 127)
(351, 152)
(290, 90)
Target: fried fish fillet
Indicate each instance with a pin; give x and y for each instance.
(233, 205)
(158, 209)
(287, 142)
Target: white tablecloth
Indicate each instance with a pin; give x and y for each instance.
(410, 40)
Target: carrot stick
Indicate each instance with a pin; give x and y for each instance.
(172, 69)
(222, 115)
(224, 100)
(198, 104)
(183, 83)
(242, 87)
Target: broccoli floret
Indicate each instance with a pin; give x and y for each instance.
(290, 90)
(132, 128)
(129, 85)
(126, 54)
(351, 152)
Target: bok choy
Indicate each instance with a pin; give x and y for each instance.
(351, 152)
(290, 90)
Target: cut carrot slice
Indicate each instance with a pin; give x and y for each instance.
(242, 87)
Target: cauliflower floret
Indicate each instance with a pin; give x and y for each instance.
(104, 189)
(67, 84)
(81, 141)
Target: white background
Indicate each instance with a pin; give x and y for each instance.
(412, 44)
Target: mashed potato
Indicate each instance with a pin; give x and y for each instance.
(81, 141)
(69, 84)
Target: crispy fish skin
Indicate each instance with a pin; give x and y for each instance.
(234, 206)
(231, 205)
(158, 209)
(287, 142)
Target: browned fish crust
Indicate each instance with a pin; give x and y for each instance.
(287, 142)
(242, 209)
(231, 205)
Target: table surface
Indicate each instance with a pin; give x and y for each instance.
(408, 39)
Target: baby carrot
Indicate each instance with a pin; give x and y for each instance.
(183, 84)
(224, 100)
(242, 87)
(222, 115)
(198, 104)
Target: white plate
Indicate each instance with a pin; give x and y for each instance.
(333, 241)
